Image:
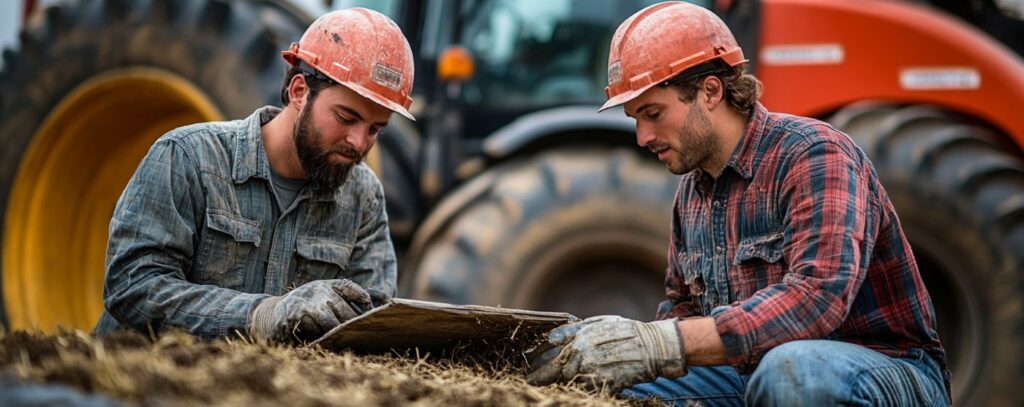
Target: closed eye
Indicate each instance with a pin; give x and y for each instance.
(375, 130)
(348, 121)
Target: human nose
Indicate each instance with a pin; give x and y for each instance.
(644, 135)
(360, 137)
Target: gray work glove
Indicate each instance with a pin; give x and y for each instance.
(309, 311)
(609, 353)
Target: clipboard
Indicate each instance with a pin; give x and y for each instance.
(404, 324)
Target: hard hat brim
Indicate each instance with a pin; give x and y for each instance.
(623, 98)
(387, 104)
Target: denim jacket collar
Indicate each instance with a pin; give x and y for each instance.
(251, 156)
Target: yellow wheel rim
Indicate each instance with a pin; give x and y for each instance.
(68, 182)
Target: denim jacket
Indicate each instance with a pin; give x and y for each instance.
(197, 240)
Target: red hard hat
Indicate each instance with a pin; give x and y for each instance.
(661, 41)
(363, 50)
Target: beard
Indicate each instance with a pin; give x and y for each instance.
(698, 142)
(321, 175)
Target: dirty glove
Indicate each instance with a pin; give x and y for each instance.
(609, 353)
(309, 311)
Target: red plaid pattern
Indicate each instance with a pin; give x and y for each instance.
(796, 239)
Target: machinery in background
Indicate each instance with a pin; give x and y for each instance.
(511, 190)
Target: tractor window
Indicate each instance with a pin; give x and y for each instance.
(534, 53)
(1011, 8)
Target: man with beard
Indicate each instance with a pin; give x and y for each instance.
(271, 226)
(790, 281)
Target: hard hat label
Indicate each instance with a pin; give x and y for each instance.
(615, 72)
(385, 76)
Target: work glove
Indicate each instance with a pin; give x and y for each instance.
(609, 353)
(311, 310)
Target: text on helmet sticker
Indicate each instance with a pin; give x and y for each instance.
(615, 72)
(384, 76)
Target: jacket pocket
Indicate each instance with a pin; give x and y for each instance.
(319, 259)
(757, 264)
(227, 250)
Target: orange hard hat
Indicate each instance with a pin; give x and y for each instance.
(363, 50)
(661, 41)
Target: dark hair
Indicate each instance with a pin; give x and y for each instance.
(314, 81)
(740, 88)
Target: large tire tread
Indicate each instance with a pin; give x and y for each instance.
(227, 49)
(481, 253)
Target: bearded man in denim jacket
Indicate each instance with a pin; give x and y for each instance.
(270, 226)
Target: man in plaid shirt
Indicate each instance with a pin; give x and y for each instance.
(789, 280)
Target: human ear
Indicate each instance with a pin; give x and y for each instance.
(713, 91)
(297, 91)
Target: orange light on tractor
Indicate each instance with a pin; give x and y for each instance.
(455, 64)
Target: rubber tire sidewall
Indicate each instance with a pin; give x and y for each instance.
(525, 213)
(55, 59)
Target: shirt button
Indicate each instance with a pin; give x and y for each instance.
(715, 204)
(718, 249)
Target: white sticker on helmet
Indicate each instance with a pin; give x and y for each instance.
(615, 72)
(385, 76)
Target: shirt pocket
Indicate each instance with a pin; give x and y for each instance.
(319, 259)
(757, 264)
(228, 249)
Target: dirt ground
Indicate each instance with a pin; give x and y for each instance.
(177, 369)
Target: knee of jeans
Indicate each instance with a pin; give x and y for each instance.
(792, 374)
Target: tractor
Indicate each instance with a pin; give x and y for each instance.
(511, 189)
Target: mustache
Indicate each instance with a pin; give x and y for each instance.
(346, 150)
(655, 147)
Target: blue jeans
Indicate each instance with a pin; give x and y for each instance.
(811, 373)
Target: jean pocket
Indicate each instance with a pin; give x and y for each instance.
(227, 249)
(930, 376)
(319, 259)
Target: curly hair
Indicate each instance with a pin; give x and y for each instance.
(741, 89)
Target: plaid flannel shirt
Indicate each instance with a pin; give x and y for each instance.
(796, 239)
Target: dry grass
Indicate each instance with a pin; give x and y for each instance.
(177, 369)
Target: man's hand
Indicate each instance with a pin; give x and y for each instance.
(311, 310)
(609, 353)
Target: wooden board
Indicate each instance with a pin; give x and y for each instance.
(403, 324)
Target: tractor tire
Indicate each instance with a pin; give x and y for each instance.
(581, 230)
(395, 159)
(93, 84)
(958, 189)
